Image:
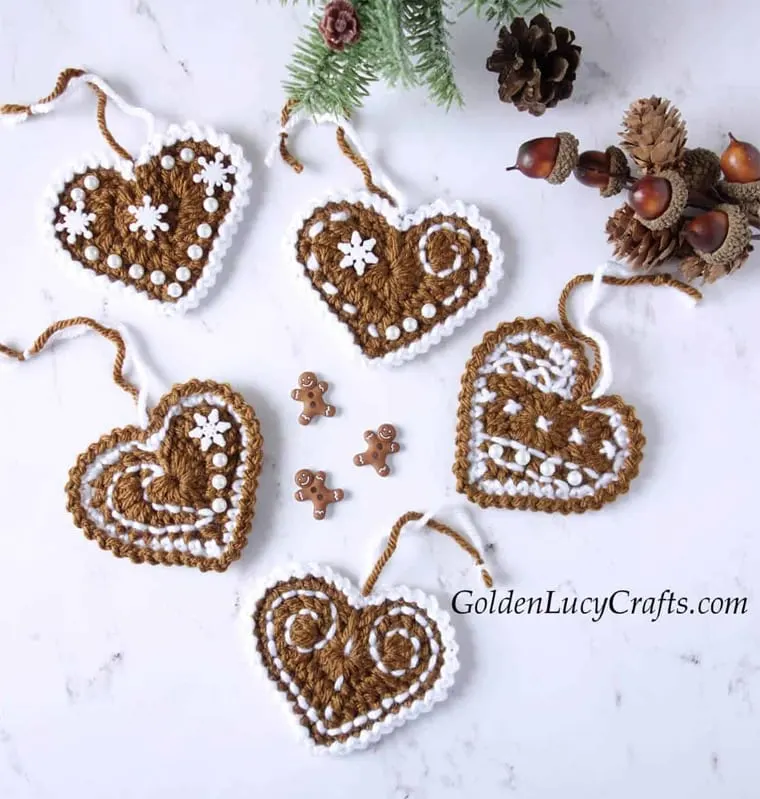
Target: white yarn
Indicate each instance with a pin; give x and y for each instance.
(141, 372)
(330, 119)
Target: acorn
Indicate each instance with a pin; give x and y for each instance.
(720, 237)
(550, 158)
(740, 161)
(607, 171)
(659, 200)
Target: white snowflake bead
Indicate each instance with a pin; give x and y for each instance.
(136, 271)
(174, 290)
(186, 154)
(148, 218)
(75, 222)
(167, 162)
(183, 273)
(195, 252)
(157, 277)
(91, 253)
(204, 231)
(209, 429)
(77, 195)
(214, 174)
(358, 253)
(91, 182)
(114, 261)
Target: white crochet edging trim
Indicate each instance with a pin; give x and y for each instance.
(403, 221)
(108, 160)
(370, 735)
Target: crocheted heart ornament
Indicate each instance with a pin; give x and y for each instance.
(180, 492)
(398, 282)
(158, 228)
(530, 436)
(352, 668)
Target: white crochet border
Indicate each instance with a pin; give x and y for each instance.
(173, 134)
(403, 221)
(368, 736)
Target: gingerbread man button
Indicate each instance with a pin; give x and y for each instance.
(311, 392)
(379, 446)
(312, 487)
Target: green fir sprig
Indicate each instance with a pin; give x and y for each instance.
(406, 43)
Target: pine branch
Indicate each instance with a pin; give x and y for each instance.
(426, 25)
(393, 58)
(325, 81)
(501, 12)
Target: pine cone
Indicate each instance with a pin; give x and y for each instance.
(536, 64)
(641, 247)
(653, 134)
(693, 267)
(339, 25)
(700, 168)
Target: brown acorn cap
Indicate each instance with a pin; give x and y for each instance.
(737, 245)
(679, 194)
(700, 168)
(619, 172)
(746, 194)
(567, 158)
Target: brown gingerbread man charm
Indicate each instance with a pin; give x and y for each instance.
(311, 486)
(379, 446)
(311, 392)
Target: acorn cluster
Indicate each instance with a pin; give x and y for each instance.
(689, 204)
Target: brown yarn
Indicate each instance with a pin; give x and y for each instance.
(660, 279)
(112, 335)
(166, 484)
(362, 165)
(285, 153)
(167, 252)
(61, 85)
(397, 287)
(439, 527)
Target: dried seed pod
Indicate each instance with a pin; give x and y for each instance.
(659, 200)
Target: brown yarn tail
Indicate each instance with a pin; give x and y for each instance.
(112, 335)
(660, 279)
(362, 165)
(439, 527)
(61, 86)
(285, 153)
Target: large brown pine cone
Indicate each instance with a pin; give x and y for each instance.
(636, 244)
(536, 64)
(653, 134)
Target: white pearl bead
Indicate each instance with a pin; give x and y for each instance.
(522, 457)
(114, 261)
(210, 204)
(547, 468)
(204, 231)
(167, 162)
(174, 290)
(136, 271)
(187, 155)
(219, 505)
(219, 481)
(157, 278)
(91, 182)
(195, 252)
(91, 253)
(428, 310)
(77, 195)
(219, 460)
(392, 333)
(575, 478)
(495, 451)
(183, 273)
(410, 325)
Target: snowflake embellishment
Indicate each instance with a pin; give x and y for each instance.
(76, 222)
(148, 218)
(209, 429)
(214, 174)
(358, 253)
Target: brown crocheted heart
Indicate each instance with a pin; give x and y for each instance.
(352, 668)
(526, 435)
(160, 227)
(398, 282)
(180, 492)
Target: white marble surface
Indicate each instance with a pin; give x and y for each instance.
(133, 682)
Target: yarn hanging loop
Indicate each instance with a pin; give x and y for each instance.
(76, 326)
(600, 375)
(69, 79)
(424, 520)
